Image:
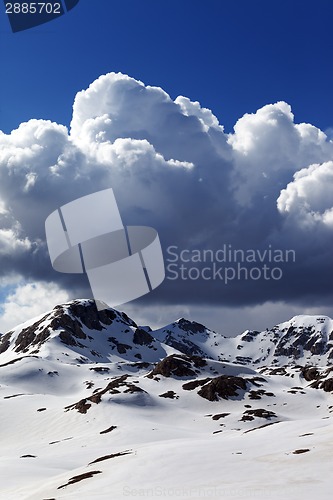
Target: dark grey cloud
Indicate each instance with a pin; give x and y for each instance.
(266, 186)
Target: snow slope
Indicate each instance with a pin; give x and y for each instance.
(93, 406)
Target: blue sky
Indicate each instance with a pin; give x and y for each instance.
(263, 67)
(233, 57)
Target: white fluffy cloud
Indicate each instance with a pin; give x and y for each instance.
(309, 197)
(172, 167)
(29, 300)
(269, 147)
(11, 243)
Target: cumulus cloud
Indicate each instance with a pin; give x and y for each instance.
(309, 197)
(10, 243)
(29, 300)
(172, 167)
(269, 147)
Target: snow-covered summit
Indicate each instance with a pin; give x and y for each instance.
(302, 340)
(78, 331)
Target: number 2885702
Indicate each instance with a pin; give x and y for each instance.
(33, 8)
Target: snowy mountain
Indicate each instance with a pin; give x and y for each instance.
(95, 406)
(302, 340)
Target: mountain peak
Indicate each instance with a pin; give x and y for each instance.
(78, 331)
(190, 326)
(304, 319)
